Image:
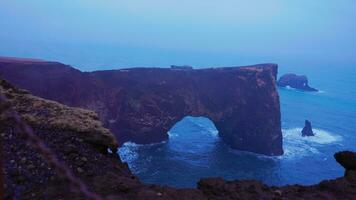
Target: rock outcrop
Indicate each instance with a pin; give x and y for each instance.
(347, 159)
(75, 135)
(307, 130)
(142, 104)
(47, 114)
(295, 81)
(28, 176)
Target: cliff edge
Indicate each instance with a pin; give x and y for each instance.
(45, 114)
(142, 104)
(28, 175)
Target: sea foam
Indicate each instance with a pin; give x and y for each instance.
(128, 151)
(295, 145)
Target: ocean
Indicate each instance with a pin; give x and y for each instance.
(194, 149)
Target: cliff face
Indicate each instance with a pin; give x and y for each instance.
(48, 114)
(76, 136)
(142, 104)
(28, 176)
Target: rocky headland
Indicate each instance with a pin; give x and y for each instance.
(78, 139)
(299, 82)
(142, 104)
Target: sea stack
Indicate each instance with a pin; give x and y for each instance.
(307, 130)
(296, 82)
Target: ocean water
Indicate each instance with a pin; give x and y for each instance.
(194, 149)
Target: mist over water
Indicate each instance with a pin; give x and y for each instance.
(97, 35)
(314, 38)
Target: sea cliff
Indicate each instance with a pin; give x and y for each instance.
(141, 104)
(78, 142)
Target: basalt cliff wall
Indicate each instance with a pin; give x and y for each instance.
(76, 137)
(142, 104)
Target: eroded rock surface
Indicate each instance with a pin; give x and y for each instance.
(75, 135)
(28, 176)
(142, 104)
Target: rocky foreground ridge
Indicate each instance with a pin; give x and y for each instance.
(77, 139)
(142, 104)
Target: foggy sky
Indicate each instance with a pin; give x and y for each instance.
(163, 32)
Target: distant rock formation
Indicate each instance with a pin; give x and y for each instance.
(307, 130)
(142, 104)
(295, 81)
(29, 176)
(182, 67)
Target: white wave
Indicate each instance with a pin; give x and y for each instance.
(289, 87)
(133, 145)
(213, 132)
(297, 90)
(128, 152)
(130, 144)
(295, 145)
(321, 136)
(172, 134)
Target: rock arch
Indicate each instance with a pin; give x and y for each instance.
(142, 104)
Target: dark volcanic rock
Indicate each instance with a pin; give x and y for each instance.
(307, 130)
(142, 104)
(181, 67)
(347, 159)
(295, 81)
(73, 134)
(28, 176)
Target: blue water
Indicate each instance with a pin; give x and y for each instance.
(194, 150)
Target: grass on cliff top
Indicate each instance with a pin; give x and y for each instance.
(46, 114)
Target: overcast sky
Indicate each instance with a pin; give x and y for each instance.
(162, 32)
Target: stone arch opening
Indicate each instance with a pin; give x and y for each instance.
(196, 123)
(192, 137)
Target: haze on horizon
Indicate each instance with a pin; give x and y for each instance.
(93, 34)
